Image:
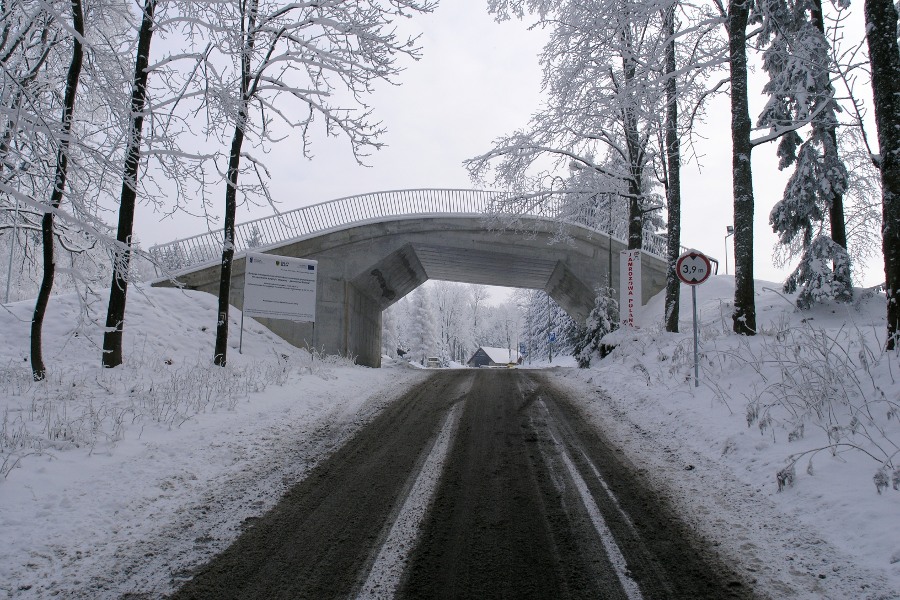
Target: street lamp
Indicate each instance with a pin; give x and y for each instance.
(729, 231)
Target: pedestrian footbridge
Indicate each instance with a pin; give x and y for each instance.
(373, 249)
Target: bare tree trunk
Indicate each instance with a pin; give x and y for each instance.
(220, 357)
(828, 123)
(115, 315)
(234, 161)
(635, 157)
(635, 223)
(836, 207)
(884, 56)
(673, 178)
(38, 369)
(632, 139)
(744, 315)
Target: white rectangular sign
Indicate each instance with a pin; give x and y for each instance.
(629, 286)
(280, 287)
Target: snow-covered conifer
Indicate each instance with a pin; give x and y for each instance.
(797, 59)
(547, 331)
(603, 318)
(821, 274)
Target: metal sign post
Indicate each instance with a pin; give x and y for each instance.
(693, 268)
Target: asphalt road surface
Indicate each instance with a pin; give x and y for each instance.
(477, 484)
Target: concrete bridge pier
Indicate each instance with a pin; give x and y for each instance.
(348, 322)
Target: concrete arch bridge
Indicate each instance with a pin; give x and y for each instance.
(373, 249)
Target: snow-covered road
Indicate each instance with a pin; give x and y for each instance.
(121, 502)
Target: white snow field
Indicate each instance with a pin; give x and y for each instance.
(121, 481)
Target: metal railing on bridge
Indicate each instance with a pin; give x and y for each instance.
(378, 206)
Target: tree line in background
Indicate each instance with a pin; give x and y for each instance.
(108, 103)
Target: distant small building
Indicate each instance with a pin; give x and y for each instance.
(494, 357)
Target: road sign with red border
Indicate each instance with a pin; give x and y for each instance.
(693, 267)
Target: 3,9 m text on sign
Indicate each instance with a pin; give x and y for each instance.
(693, 267)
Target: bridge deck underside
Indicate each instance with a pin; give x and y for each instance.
(485, 267)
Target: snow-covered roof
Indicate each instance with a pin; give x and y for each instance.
(501, 355)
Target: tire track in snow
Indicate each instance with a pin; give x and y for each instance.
(614, 554)
(385, 574)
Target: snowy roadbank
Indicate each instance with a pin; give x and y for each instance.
(138, 504)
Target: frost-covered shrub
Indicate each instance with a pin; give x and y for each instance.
(92, 408)
(814, 378)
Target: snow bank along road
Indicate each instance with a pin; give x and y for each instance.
(475, 484)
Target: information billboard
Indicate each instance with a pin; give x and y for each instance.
(280, 287)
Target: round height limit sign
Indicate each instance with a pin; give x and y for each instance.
(693, 268)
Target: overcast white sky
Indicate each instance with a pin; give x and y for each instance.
(477, 80)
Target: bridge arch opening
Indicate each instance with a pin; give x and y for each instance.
(450, 321)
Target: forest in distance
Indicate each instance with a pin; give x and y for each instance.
(450, 321)
(106, 105)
